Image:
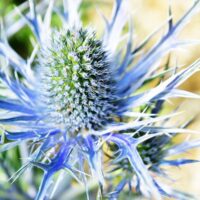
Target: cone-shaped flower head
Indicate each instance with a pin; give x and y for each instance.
(76, 81)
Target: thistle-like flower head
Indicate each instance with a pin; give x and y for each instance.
(76, 81)
(79, 104)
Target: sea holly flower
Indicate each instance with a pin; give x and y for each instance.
(77, 104)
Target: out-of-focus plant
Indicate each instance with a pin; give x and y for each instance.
(82, 106)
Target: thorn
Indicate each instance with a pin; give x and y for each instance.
(170, 16)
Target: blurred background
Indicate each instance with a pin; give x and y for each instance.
(148, 15)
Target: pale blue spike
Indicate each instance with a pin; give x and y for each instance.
(8, 146)
(146, 181)
(142, 69)
(14, 59)
(177, 162)
(183, 147)
(46, 181)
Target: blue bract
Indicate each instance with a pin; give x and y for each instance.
(79, 106)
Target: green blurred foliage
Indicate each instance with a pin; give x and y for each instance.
(19, 41)
(7, 5)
